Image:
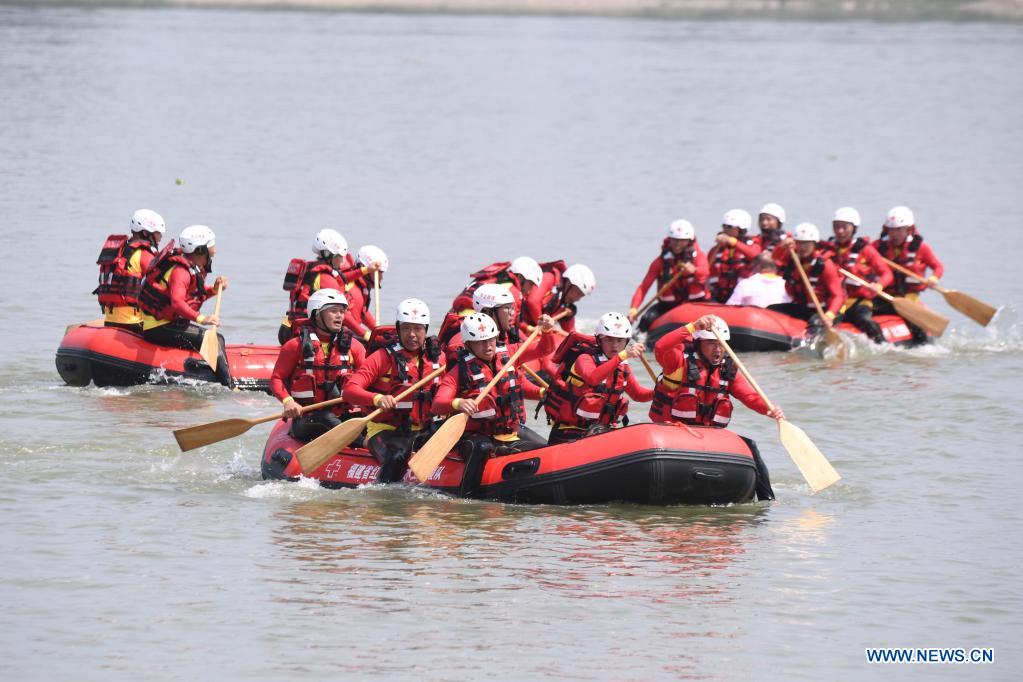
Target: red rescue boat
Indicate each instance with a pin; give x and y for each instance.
(760, 329)
(109, 356)
(656, 464)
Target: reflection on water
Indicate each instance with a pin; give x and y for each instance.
(385, 536)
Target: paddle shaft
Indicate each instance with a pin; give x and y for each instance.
(216, 305)
(509, 365)
(536, 377)
(865, 283)
(661, 292)
(649, 369)
(742, 368)
(376, 293)
(809, 288)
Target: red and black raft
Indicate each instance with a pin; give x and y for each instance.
(760, 329)
(109, 356)
(657, 464)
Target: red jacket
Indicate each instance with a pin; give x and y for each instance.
(673, 401)
(291, 366)
(358, 317)
(862, 260)
(822, 273)
(913, 254)
(664, 267)
(390, 371)
(729, 264)
(546, 298)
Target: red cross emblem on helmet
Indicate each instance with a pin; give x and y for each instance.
(482, 327)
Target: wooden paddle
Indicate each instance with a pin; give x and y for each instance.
(978, 311)
(536, 377)
(923, 317)
(210, 348)
(376, 293)
(814, 466)
(831, 337)
(433, 452)
(660, 292)
(193, 437)
(649, 369)
(316, 452)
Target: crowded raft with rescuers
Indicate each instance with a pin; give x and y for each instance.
(368, 402)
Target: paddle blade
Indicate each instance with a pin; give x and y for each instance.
(814, 466)
(978, 311)
(834, 340)
(206, 434)
(210, 348)
(313, 454)
(925, 318)
(437, 448)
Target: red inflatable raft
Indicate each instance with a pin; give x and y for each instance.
(108, 356)
(645, 463)
(756, 328)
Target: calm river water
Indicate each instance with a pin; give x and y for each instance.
(451, 142)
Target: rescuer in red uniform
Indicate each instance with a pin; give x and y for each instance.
(303, 278)
(359, 288)
(387, 372)
(698, 381)
(593, 378)
(856, 255)
(495, 425)
(123, 262)
(820, 270)
(902, 243)
(315, 365)
(558, 291)
(731, 256)
(173, 291)
(679, 254)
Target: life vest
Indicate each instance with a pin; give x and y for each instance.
(850, 260)
(321, 376)
(685, 288)
(298, 281)
(414, 409)
(154, 297)
(504, 407)
(813, 271)
(117, 286)
(906, 258)
(572, 402)
(729, 265)
(690, 394)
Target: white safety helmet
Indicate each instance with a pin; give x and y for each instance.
(413, 311)
(330, 241)
(719, 325)
(806, 232)
(370, 254)
(899, 216)
(491, 296)
(582, 277)
(478, 327)
(681, 229)
(144, 220)
(774, 209)
(847, 214)
(528, 268)
(737, 217)
(196, 236)
(613, 324)
(323, 298)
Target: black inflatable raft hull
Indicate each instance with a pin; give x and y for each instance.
(655, 464)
